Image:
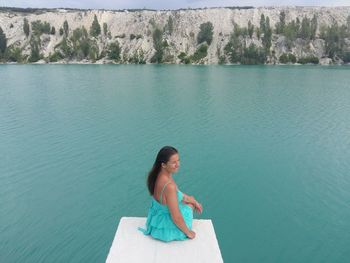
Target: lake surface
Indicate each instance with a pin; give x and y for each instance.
(265, 149)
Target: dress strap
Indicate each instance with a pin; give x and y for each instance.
(161, 193)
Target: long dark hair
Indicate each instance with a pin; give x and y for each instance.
(163, 156)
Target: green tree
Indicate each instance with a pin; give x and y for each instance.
(3, 42)
(83, 47)
(297, 26)
(26, 27)
(287, 58)
(95, 29)
(105, 29)
(200, 53)
(234, 47)
(253, 55)
(346, 57)
(114, 51)
(184, 58)
(61, 31)
(284, 58)
(170, 25)
(66, 49)
(35, 51)
(137, 58)
(291, 33)
(250, 29)
(237, 31)
(280, 26)
(313, 27)
(205, 33)
(305, 31)
(65, 27)
(266, 39)
(40, 28)
(56, 56)
(309, 60)
(53, 30)
(158, 46)
(258, 32)
(334, 37)
(14, 54)
(262, 23)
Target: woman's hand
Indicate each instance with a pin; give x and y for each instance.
(198, 207)
(190, 199)
(191, 234)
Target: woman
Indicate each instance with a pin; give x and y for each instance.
(171, 212)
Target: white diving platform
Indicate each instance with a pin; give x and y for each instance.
(132, 246)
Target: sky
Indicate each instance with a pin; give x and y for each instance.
(164, 4)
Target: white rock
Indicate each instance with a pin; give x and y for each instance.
(186, 27)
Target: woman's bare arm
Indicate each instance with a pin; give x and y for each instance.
(172, 203)
(191, 200)
(188, 199)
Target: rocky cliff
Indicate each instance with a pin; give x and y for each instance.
(132, 36)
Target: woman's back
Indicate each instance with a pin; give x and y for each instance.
(161, 184)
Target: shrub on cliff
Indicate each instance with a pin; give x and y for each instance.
(281, 25)
(200, 53)
(308, 28)
(334, 37)
(137, 58)
(287, 58)
(346, 57)
(205, 33)
(250, 29)
(56, 56)
(14, 54)
(3, 42)
(95, 29)
(267, 37)
(35, 49)
(114, 51)
(309, 60)
(65, 27)
(184, 58)
(40, 28)
(94, 52)
(26, 27)
(253, 55)
(158, 46)
(169, 27)
(291, 32)
(83, 47)
(105, 29)
(65, 48)
(234, 47)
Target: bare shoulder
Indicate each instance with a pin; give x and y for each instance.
(161, 181)
(171, 187)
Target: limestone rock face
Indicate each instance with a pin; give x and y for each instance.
(183, 38)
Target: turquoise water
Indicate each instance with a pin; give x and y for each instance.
(265, 149)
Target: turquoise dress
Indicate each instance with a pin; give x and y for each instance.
(159, 223)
